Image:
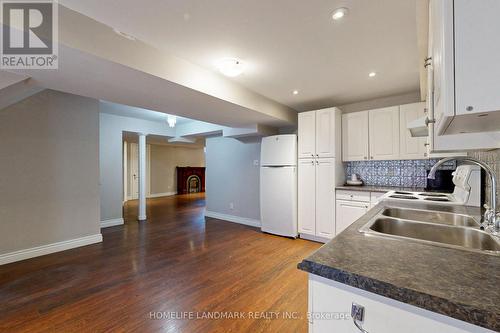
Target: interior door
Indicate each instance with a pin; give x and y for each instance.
(306, 133)
(325, 197)
(133, 171)
(347, 213)
(325, 133)
(307, 196)
(355, 136)
(410, 147)
(384, 133)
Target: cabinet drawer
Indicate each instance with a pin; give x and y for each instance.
(353, 195)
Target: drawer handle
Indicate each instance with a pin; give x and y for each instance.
(358, 313)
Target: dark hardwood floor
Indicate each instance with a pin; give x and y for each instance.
(142, 278)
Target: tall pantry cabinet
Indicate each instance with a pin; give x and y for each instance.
(319, 170)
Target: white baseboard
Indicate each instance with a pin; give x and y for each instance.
(314, 238)
(159, 195)
(111, 223)
(232, 218)
(48, 249)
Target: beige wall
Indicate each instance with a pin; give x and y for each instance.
(163, 161)
(49, 183)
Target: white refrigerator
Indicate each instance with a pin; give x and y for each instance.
(278, 185)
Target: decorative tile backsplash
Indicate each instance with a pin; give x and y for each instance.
(492, 158)
(406, 173)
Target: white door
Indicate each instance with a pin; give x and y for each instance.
(410, 147)
(134, 171)
(477, 50)
(355, 136)
(326, 133)
(347, 212)
(384, 133)
(278, 200)
(307, 196)
(307, 136)
(325, 197)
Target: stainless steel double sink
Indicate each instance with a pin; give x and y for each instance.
(433, 228)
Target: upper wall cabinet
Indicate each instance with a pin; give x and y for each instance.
(464, 49)
(410, 147)
(319, 133)
(355, 136)
(307, 134)
(384, 133)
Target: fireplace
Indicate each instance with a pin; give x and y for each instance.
(190, 180)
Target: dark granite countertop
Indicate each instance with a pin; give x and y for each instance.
(374, 188)
(453, 282)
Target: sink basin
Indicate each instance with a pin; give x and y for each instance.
(465, 238)
(431, 217)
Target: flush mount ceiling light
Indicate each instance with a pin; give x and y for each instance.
(171, 120)
(231, 66)
(295, 92)
(124, 35)
(339, 13)
(372, 74)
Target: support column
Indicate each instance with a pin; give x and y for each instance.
(142, 177)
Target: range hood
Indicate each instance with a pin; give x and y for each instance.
(419, 127)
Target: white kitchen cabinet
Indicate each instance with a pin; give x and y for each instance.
(382, 314)
(320, 170)
(319, 133)
(325, 197)
(307, 196)
(307, 134)
(384, 133)
(464, 52)
(327, 137)
(355, 145)
(347, 212)
(410, 147)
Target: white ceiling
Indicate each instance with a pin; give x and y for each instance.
(287, 44)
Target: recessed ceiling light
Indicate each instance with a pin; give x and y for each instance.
(372, 74)
(231, 66)
(339, 13)
(295, 92)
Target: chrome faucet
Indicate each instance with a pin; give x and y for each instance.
(491, 217)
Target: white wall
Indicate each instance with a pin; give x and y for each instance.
(49, 169)
(232, 177)
(111, 156)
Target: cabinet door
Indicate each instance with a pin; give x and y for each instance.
(325, 197)
(347, 212)
(355, 136)
(441, 51)
(307, 134)
(325, 132)
(410, 147)
(307, 196)
(477, 50)
(384, 133)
